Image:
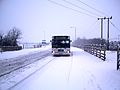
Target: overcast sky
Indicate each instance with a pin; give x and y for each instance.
(38, 17)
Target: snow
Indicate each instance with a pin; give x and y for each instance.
(13, 54)
(82, 71)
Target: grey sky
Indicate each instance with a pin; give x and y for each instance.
(36, 17)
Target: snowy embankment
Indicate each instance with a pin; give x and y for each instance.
(17, 59)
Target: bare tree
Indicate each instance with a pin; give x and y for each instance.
(1, 39)
(13, 35)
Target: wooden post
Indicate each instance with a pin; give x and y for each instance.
(1, 50)
(118, 57)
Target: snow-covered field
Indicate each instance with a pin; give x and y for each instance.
(82, 71)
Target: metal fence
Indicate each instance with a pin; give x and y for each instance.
(96, 50)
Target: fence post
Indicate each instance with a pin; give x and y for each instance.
(99, 53)
(1, 50)
(118, 57)
(92, 49)
(104, 55)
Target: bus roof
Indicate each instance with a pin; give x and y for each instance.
(60, 37)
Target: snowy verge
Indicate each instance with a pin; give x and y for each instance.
(10, 80)
(12, 64)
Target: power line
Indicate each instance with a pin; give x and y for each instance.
(93, 27)
(71, 8)
(115, 26)
(80, 7)
(93, 24)
(92, 7)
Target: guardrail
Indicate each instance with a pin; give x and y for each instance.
(118, 57)
(96, 50)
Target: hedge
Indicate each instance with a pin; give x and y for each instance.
(10, 48)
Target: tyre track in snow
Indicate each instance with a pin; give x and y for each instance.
(91, 81)
(70, 68)
(13, 64)
(82, 74)
(34, 72)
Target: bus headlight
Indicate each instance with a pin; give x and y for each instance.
(53, 52)
(68, 51)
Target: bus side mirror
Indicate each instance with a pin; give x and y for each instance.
(70, 40)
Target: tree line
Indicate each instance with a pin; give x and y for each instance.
(96, 41)
(11, 38)
(81, 42)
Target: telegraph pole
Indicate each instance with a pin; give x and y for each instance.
(108, 31)
(101, 29)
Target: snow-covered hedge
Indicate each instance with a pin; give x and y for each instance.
(10, 48)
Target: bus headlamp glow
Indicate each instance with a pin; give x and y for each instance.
(53, 52)
(68, 51)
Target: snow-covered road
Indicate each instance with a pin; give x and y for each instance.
(81, 71)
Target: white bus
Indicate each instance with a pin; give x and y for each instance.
(61, 45)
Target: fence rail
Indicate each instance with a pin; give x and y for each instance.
(96, 50)
(118, 57)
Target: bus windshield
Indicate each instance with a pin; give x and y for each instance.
(65, 43)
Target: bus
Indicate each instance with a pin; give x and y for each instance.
(61, 45)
